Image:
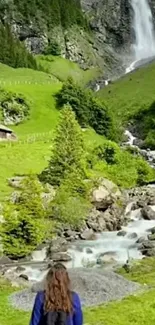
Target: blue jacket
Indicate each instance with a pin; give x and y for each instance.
(37, 313)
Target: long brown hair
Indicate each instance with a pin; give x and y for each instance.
(57, 290)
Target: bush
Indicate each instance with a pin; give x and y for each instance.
(14, 107)
(70, 208)
(53, 49)
(88, 109)
(25, 225)
(108, 152)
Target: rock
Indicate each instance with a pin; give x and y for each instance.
(16, 181)
(122, 233)
(5, 260)
(150, 252)
(108, 257)
(71, 234)
(141, 239)
(152, 230)
(57, 245)
(151, 237)
(24, 277)
(88, 234)
(132, 235)
(106, 194)
(20, 269)
(148, 213)
(138, 142)
(89, 250)
(61, 257)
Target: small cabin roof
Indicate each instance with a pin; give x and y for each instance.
(5, 129)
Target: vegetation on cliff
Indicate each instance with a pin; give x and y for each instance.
(13, 52)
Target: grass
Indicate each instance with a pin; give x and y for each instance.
(63, 68)
(138, 309)
(31, 152)
(129, 94)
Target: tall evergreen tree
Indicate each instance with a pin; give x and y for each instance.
(68, 150)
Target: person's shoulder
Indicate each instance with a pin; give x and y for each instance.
(76, 298)
(40, 295)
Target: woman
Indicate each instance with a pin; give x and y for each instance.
(57, 305)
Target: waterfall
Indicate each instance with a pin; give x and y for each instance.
(144, 46)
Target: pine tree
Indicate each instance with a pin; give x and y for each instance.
(68, 150)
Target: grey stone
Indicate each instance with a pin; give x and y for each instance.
(148, 213)
(24, 277)
(88, 234)
(122, 233)
(61, 257)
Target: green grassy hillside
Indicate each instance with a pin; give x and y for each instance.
(130, 94)
(31, 152)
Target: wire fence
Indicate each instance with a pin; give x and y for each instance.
(30, 138)
(28, 82)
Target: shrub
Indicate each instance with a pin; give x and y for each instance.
(88, 109)
(53, 49)
(25, 226)
(14, 107)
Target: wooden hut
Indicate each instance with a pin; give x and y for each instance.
(6, 133)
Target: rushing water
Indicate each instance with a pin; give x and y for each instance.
(144, 46)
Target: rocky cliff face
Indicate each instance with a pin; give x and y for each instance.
(110, 36)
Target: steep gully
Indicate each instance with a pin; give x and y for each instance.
(118, 248)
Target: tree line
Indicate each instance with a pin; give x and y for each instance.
(13, 52)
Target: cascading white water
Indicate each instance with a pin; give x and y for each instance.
(144, 46)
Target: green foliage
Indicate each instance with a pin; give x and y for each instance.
(128, 96)
(122, 167)
(25, 226)
(89, 110)
(50, 12)
(108, 152)
(69, 208)
(145, 125)
(68, 149)
(13, 105)
(13, 52)
(53, 49)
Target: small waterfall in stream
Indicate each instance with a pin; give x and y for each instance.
(144, 46)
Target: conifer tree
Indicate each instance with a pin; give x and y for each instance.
(68, 150)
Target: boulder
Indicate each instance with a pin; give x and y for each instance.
(57, 245)
(106, 194)
(152, 230)
(108, 257)
(61, 257)
(5, 260)
(88, 234)
(132, 235)
(148, 213)
(122, 233)
(24, 277)
(20, 269)
(89, 250)
(151, 237)
(140, 240)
